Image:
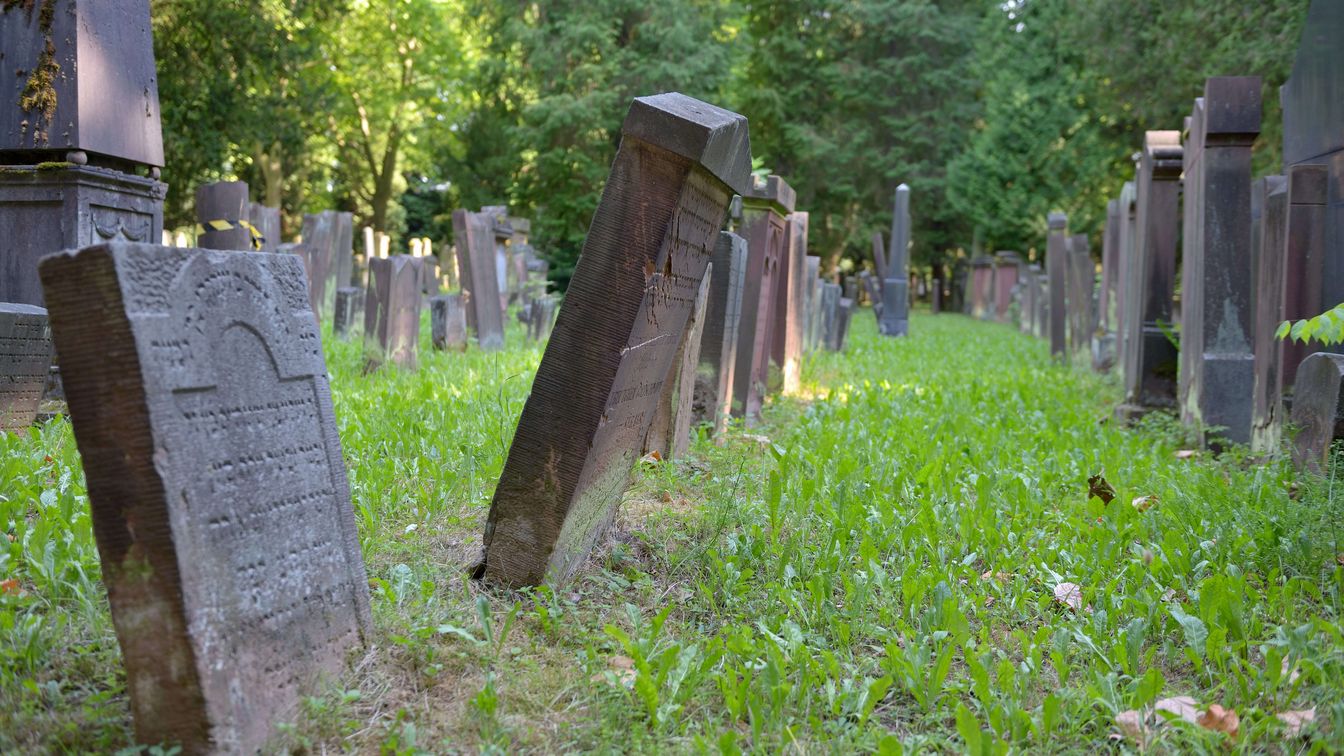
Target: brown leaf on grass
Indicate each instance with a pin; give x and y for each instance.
(1002, 577)
(1187, 454)
(1294, 722)
(1070, 595)
(1098, 487)
(1144, 503)
(651, 458)
(622, 672)
(1289, 671)
(1219, 719)
(1131, 725)
(1180, 707)
(1339, 558)
(10, 587)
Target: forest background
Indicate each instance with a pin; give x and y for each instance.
(994, 112)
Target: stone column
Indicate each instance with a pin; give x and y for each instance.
(1056, 267)
(896, 304)
(219, 208)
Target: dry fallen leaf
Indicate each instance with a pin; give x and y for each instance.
(1131, 725)
(623, 668)
(1002, 577)
(1339, 558)
(1180, 707)
(1144, 503)
(1070, 595)
(1098, 487)
(1296, 721)
(10, 586)
(1187, 454)
(1289, 671)
(989, 601)
(1219, 719)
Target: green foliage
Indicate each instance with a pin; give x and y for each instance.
(1326, 328)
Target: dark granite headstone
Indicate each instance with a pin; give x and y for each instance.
(349, 311)
(1056, 267)
(669, 433)
(1318, 410)
(539, 317)
(392, 312)
(448, 322)
(1082, 291)
(895, 282)
(266, 220)
(871, 287)
(474, 235)
(25, 356)
(830, 313)
(1219, 373)
(201, 406)
(625, 312)
(344, 251)
(1305, 259)
(219, 208)
(851, 288)
(786, 350)
(844, 313)
(1269, 226)
(764, 207)
(879, 255)
(1150, 359)
(719, 344)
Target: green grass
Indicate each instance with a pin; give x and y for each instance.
(872, 569)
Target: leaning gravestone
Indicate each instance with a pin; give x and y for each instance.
(626, 309)
(392, 312)
(1006, 266)
(790, 311)
(879, 255)
(764, 208)
(1056, 267)
(201, 406)
(718, 346)
(448, 322)
(1318, 410)
(324, 266)
(25, 356)
(221, 209)
(349, 310)
(1219, 373)
(475, 239)
(874, 291)
(669, 433)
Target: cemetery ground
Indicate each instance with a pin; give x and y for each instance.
(905, 558)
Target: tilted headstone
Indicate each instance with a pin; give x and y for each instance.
(392, 313)
(1269, 228)
(448, 322)
(719, 344)
(626, 309)
(348, 314)
(219, 209)
(344, 251)
(669, 433)
(812, 330)
(1082, 290)
(879, 255)
(1318, 410)
(1219, 373)
(474, 235)
(873, 288)
(1056, 267)
(539, 317)
(319, 249)
(266, 220)
(201, 406)
(895, 319)
(764, 207)
(1006, 265)
(786, 350)
(1149, 284)
(25, 356)
(982, 287)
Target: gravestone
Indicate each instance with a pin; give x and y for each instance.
(1030, 293)
(812, 331)
(1006, 266)
(871, 287)
(502, 233)
(344, 251)
(1082, 290)
(539, 317)
(325, 267)
(830, 312)
(895, 280)
(266, 220)
(1305, 259)
(1127, 240)
(1318, 412)
(581, 431)
(392, 313)
(982, 287)
(844, 313)
(851, 289)
(1056, 267)
(201, 406)
(1105, 345)
(219, 209)
(1218, 373)
(474, 235)
(348, 313)
(669, 433)
(1149, 284)
(718, 345)
(879, 256)
(765, 204)
(25, 357)
(448, 322)
(789, 309)
(1042, 318)
(1269, 244)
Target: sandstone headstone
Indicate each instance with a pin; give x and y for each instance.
(1318, 412)
(764, 207)
(982, 287)
(1056, 267)
(669, 433)
(1269, 228)
(349, 311)
(344, 251)
(474, 235)
(844, 313)
(626, 309)
(392, 313)
(318, 250)
(830, 312)
(25, 356)
(1082, 291)
(719, 344)
(219, 208)
(1006, 265)
(221, 511)
(790, 311)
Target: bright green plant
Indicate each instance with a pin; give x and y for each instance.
(1326, 328)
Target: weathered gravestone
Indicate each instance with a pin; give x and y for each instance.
(1305, 258)
(1127, 239)
(1006, 266)
(1104, 346)
(539, 317)
(1082, 291)
(851, 288)
(764, 207)
(392, 312)
(1217, 371)
(345, 252)
(25, 356)
(325, 267)
(220, 209)
(1150, 359)
(879, 256)
(786, 350)
(448, 322)
(718, 345)
(982, 287)
(480, 282)
(812, 283)
(266, 220)
(200, 403)
(1269, 230)
(1041, 320)
(1030, 295)
(1056, 267)
(349, 311)
(873, 289)
(844, 313)
(1318, 412)
(830, 312)
(895, 319)
(625, 312)
(669, 433)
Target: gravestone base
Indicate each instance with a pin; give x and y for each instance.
(894, 319)
(1225, 396)
(1316, 413)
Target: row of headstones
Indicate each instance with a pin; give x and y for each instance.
(200, 401)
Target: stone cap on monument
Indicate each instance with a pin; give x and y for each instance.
(1310, 183)
(1057, 221)
(1232, 107)
(982, 261)
(711, 136)
(1007, 257)
(1164, 153)
(773, 192)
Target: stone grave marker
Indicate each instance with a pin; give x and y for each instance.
(895, 320)
(1056, 267)
(348, 313)
(851, 288)
(844, 313)
(25, 357)
(476, 263)
(1269, 243)
(879, 256)
(1082, 293)
(219, 208)
(982, 287)
(625, 312)
(1030, 293)
(1218, 373)
(764, 208)
(718, 346)
(345, 252)
(201, 406)
(669, 433)
(1006, 265)
(830, 310)
(392, 312)
(539, 317)
(321, 235)
(812, 331)
(1318, 412)
(1105, 345)
(790, 311)
(448, 322)
(266, 220)
(1305, 258)
(873, 289)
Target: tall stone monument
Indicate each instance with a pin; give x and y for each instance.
(1056, 267)
(765, 205)
(896, 283)
(1318, 410)
(200, 403)
(582, 429)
